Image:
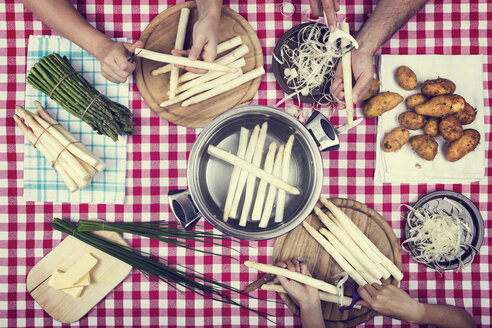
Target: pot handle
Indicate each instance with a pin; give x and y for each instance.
(183, 208)
(323, 132)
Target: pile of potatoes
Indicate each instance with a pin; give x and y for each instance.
(436, 110)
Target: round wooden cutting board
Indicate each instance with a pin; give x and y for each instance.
(160, 36)
(298, 243)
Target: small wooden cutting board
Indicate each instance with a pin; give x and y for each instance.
(105, 276)
(299, 243)
(160, 36)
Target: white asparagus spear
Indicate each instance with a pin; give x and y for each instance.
(279, 211)
(272, 191)
(386, 273)
(224, 60)
(260, 194)
(348, 256)
(251, 180)
(178, 44)
(91, 160)
(364, 241)
(221, 47)
(200, 88)
(310, 281)
(325, 297)
(178, 60)
(47, 117)
(328, 247)
(345, 239)
(71, 185)
(77, 172)
(248, 157)
(241, 151)
(347, 76)
(246, 77)
(234, 160)
(208, 76)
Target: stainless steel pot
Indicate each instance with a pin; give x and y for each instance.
(208, 177)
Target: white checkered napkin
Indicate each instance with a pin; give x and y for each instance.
(41, 182)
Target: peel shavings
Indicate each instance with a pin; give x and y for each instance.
(438, 236)
(311, 61)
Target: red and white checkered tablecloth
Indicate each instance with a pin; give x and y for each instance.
(157, 158)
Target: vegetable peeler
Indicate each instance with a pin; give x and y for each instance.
(340, 288)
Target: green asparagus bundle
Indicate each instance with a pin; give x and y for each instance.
(54, 76)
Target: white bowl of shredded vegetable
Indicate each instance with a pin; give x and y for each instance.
(444, 230)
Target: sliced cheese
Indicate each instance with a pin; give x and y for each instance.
(74, 291)
(58, 282)
(79, 269)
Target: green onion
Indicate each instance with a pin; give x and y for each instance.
(156, 270)
(54, 76)
(164, 231)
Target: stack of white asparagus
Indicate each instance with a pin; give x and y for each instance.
(224, 74)
(68, 156)
(348, 246)
(247, 167)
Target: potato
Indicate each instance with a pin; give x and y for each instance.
(415, 100)
(372, 91)
(441, 106)
(464, 145)
(406, 78)
(424, 146)
(431, 127)
(380, 103)
(467, 115)
(395, 139)
(450, 128)
(437, 87)
(411, 120)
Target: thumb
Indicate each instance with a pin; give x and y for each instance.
(130, 48)
(197, 48)
(362, 86)
(362, 303)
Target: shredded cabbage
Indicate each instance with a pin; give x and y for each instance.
(438, 235)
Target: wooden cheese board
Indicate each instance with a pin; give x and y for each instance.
(105, 276)
(298, 243)
(160, 36)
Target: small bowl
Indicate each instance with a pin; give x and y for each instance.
(472, 216)
(278, 69)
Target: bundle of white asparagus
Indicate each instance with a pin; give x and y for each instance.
(68, 156)
(224, 74)
(247, 167)
(350, 247)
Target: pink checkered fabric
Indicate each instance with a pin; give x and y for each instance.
(157, 158)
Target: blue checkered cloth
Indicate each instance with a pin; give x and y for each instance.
(41, 182)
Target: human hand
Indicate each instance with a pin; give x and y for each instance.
(114, 60)
(305, 296)
(391, 301)
(330, 8)
(363, 73)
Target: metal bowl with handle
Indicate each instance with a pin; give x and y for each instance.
(208, 177)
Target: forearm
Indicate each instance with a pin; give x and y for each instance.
(312, 316)
(388, 17)
(62, 17)
(445, 316)
(209, 9)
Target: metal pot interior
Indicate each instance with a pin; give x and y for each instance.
(209, 177)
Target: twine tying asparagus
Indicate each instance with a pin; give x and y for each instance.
(90, 104)
(59, 82)
(44, 130)
(61, 151)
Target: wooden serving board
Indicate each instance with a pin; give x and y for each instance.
(105, 276)
(160, 36)
(299, 243)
